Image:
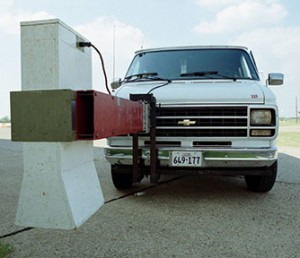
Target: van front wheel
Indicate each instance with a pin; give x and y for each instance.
(121, 176)
(262, 183)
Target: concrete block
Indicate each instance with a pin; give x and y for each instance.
(60, 186)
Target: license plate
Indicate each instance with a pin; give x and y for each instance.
(186, 158)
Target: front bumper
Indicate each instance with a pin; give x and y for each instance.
(211, 158)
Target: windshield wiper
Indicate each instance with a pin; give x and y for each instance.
(144, 76)
(227, 77)
(207, 75)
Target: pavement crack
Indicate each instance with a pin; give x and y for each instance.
(288, 183)
(16, 232)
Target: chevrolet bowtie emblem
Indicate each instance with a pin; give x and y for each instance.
(186, 122)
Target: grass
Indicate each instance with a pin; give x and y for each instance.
(5, 250)
(289, 139)
(289, 121)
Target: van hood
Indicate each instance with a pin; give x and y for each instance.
(198, 92)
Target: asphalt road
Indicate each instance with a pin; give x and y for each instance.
(188, 216)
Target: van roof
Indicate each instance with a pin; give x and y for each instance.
(190, 48)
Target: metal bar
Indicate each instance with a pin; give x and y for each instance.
(205, 127)
(99, 115)
(153, 150)
(66, 115)
(84, 115)
(153, 156)
(149, 99)
(202, 117)
(135, 158)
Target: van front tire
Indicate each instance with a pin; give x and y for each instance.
(262, 184)
(121, 176)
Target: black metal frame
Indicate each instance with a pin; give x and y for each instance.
(136, 151)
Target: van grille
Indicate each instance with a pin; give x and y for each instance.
(202, 121)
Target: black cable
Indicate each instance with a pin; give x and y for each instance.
(159, 86)
(89, 44)
(145, 188)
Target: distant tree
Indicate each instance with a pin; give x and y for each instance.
(4, 119)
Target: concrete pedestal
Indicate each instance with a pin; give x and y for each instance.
(60, 186)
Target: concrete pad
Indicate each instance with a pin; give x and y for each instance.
(288, 165)
(189, 217)
(11, 163)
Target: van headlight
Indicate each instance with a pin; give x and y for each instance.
(261, 117)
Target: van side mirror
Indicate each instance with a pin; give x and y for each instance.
(275, 79)
(116, 84)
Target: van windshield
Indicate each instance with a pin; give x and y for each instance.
(191, 64)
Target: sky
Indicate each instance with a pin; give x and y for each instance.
(270, 28)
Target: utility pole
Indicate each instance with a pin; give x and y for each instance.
(296, 110)
(114, 53)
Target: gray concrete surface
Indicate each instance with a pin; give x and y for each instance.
(184, 217)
